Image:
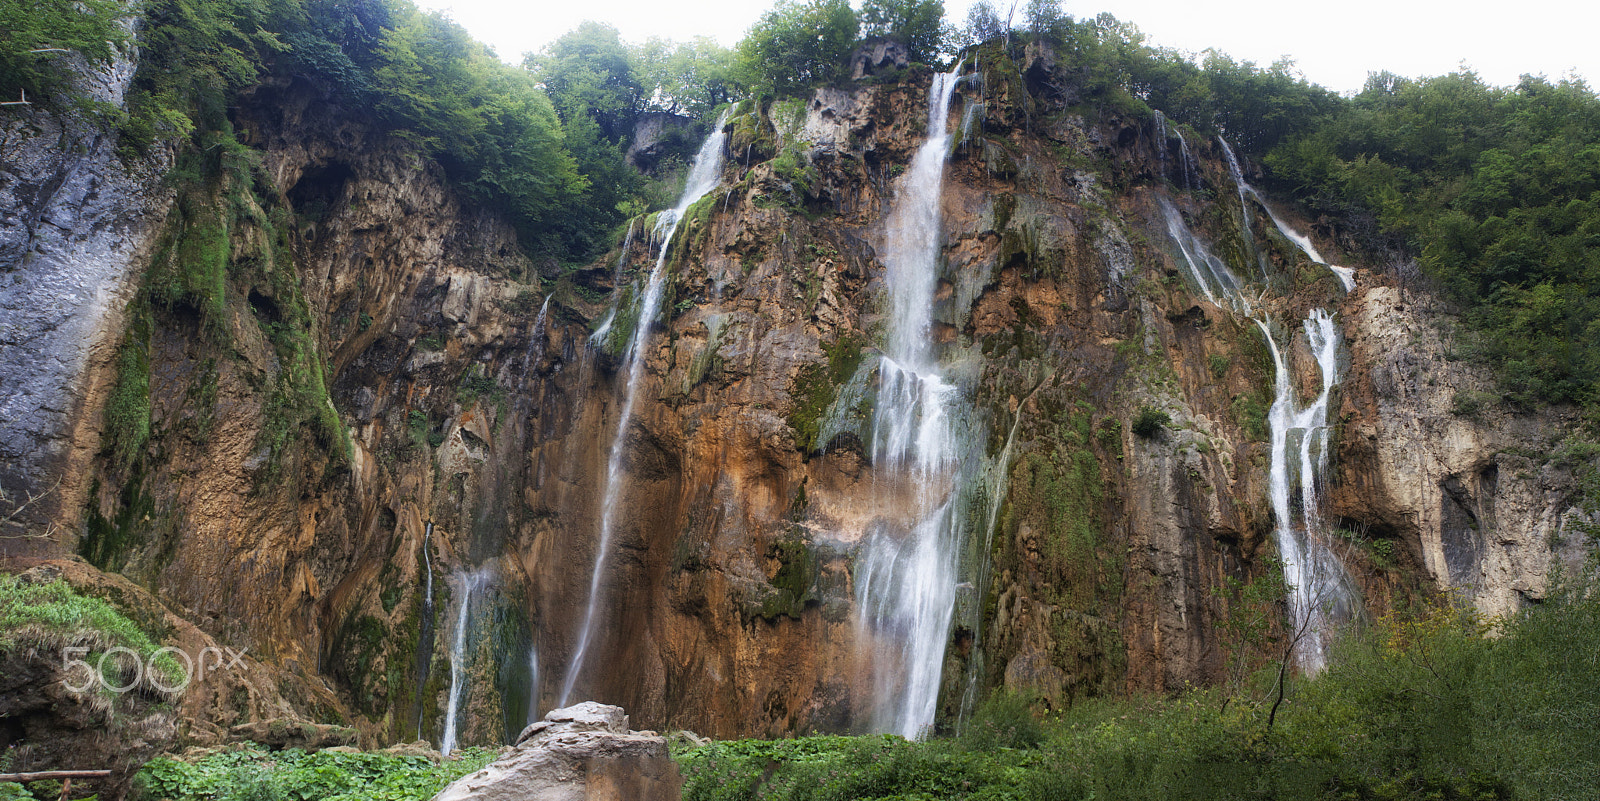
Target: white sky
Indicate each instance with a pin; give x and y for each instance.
(1335, 43)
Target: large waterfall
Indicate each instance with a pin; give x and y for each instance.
(467, 583)
(906, 581)
(703, 177)
(1321, 592)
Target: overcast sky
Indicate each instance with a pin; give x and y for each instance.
(1334, 42)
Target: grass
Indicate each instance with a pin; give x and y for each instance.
(52, 615)
(255, 774)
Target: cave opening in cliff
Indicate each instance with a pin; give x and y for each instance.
(320, 187)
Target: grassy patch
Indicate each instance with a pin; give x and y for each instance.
(260, 775)
(52, 613)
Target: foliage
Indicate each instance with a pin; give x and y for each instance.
(255, 774)
(691, 78)
(491, 125)
(54, 608)
(1150, 422)
(32, 31)
(798, 44)
(917, 24)
(1496, 189)
(1419, 705)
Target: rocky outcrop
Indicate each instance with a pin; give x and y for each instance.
(583, 751)
(1433, 471)
(390, 423)
(76, 226)
(54, 716)
(659, 135)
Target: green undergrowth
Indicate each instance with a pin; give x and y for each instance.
(52, 615)
(816, 387)
(1434, 703)
(255, 774)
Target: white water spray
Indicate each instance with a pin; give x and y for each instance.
(702, 179)
(1321, 590)
(533, 684)
(469, 583)
(906, 582)
(1346, 274)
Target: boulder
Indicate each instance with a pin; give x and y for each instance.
(583, 752)
(877, 56)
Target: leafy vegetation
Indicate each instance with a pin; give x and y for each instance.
(1150, 422)
(255, 774)
(33, 614)
(798, 44)
(1420, 705)
(1495, 189)
(37, 36)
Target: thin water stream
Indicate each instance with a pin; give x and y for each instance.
(703, 177)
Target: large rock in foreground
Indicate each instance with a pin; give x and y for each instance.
(584, 751)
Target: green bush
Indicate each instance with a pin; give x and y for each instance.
(255, 774)
(1150, 422)
(798, 44)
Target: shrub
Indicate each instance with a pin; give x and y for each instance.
(1150, 422)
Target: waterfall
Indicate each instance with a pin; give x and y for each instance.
(1188, 168)
(1346, 275)
(536, 337)
(533, 684)
(906, 580)
(1321, 591)
(1161, 142)
(604, 329)
(702, 179)
(999, 478)
(1320, 588)
(425, 632)
(1191, 170)
(469, 583)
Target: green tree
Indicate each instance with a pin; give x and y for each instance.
(589, 71)
(690, 78)
(983, 23)
(33, 31)
(917, 24)
(798, 44)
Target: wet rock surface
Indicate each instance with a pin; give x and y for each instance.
(730, 593)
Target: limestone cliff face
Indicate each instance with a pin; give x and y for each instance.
(388, 412)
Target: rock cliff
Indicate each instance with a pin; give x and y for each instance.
(372, 429)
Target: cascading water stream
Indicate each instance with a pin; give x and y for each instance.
(536, 338)
(470, 583)
(425, 632)
(703, 177)
(1321, 590)
(906, 585)
(1320, 587)
(1346, 274)
(533, 684)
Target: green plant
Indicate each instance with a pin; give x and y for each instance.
(255, 774)
(51, 615)
(1150, 422)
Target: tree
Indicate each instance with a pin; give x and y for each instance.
(33, 34)
(917, 24)
(983, 23)
(1047, 22)
(589, 71)
(690, 78)
(798, 44)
